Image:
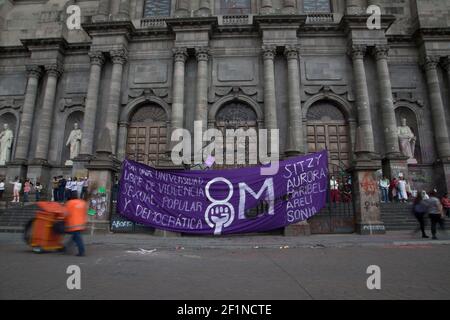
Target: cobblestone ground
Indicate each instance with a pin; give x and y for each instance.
(264, 267)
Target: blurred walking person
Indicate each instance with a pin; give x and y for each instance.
(435, 212)
(75, 223)
(420, 210)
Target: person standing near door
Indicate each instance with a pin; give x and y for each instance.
(384, 189)
(334, 189)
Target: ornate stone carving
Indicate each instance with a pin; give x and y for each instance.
(291, 52)
(180, 54)
(97, 58)
(54, 70)
(34, 71)
(357, 51)
(119, 56)
(11, 103)
(202, 53)
(269, 52)
(236, 113)
(430, 62)
(70, 102)
(381, 52)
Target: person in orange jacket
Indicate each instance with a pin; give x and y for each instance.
(75, 222)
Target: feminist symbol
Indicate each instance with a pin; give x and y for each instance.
(220, 213)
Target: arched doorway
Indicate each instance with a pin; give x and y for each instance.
(328, 129)
(233, 116)
(147, 135)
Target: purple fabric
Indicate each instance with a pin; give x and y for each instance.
(218, 201)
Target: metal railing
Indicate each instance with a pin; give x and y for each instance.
(320, 17)
(153, 22)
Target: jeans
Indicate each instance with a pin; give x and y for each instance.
(55, 194)
(421, 219)
(384, 194)
(25, 197)
(38, 196)
(78, 240)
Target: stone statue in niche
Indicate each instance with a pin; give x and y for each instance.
(6, 143)
(74, 141)
(407, 141)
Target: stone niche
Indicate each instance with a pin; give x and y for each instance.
(148, 73)
(235, 70)
(316, 70)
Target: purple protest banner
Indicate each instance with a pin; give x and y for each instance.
(219, 201)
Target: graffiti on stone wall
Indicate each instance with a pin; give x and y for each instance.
(98, 204)
(368, 184)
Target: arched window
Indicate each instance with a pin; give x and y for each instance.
(235, 116)
(157, 8)
(316, 6)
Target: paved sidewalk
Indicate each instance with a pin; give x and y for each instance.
(395, 238)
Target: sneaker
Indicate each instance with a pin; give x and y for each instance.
(425, 236)
(434, 238)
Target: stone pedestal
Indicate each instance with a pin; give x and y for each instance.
(102, 170)
(393, 166)
(40, 171)
(367, 197)
(79, 165)
(297, 230)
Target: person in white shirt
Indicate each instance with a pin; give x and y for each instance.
(80, 184)
(2, 189)
(74, 189)
(384, 188)
(16, 190)
(402, 194)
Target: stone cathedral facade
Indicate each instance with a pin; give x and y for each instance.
(137, 69)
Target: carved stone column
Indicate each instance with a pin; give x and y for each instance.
(387, 103)
(104, 10)
(90, 113)
(182, 8)
(119, 58)
(266, 7)
(353, 7)
(124, 10)
(201, 107)
(26, 122)
(270, 107)
(177, 118)
(367, 146)
(295, 121)
(289, 7)
(204, 9)
(46, 114)
(437, 108)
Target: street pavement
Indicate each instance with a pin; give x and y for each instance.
(130, 266)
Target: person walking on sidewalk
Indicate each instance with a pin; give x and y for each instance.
(420, 210)
(435, 212)
(75, 222)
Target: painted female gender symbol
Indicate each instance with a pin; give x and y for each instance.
(220, 213)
